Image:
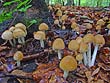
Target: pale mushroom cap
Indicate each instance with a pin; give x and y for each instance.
(17, 33)
(79, 39)
(18, 56)
(88, 25)
(88, 38)
(108, 26)
(99, 39)
(21, 26)
(100, 22)
(68, 63)
(12, 28)
(105, 18)
(98, 27)
(77, 29)
(74, 25)
(79, 57)
(83, 47)
(58, 44)
(73, 45)
(39, 35)
(43, 27)
(63, 27)
(59, 13)
(56, 22)
(7, 35)
(64, 17)
(50, 7)
(63, 8)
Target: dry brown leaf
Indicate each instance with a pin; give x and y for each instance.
(95, 71)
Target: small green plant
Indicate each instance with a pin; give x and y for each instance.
(21, 6)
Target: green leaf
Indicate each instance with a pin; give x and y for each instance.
(9, 3)
(33, 21)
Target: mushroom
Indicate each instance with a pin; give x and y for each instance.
(68, 63)
(58, 45)
(64, 18)
(99, 41)
(8, 36)
(19, 34)
(56, 22)
(75, 27)
(88, 39)
(40, 35)
(18, 56)
(100, 22)
(79, 58)
(98, 27)
(43, 27)
(21, 26)
(88, 26)
(63, 27)
(83, 49)
(79, 39)
(108, 26)
(59, 13)
(73, 45)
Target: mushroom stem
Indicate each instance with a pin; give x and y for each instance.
(94, 55)
(42, 43)
(89, 54)
(59, 54)
(85, 58)
(11, 43)
(108, 32)
(23, 40)
(65, 75)
(14, 41)
(18, 63)
(19, 41)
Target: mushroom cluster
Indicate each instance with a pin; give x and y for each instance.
(15, 32)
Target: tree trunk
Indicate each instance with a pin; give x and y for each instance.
(79, 2)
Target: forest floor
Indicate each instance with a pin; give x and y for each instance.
(41, 65)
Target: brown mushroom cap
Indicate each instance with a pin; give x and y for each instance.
(21, 26)
(83, 47)
(88, 25)
(50, 7)
(99, 39)
(7, 35)
(43, 27)
(74, 25)
(63, 8)
(59, 13)
(18, 56)
(40, 35)
(17, 33)
(88, 38)
(98, 27)
(79, 39)
(58, 44)
(73, 45)
(105, 18)
(108, 26)
(68, 63)
(64, 17)
(79, 57)
(100, 22)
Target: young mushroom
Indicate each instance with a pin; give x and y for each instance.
(40, 35)
(88, 39)
(79, 58)
(43, 27)
(99, 41)
(59, 13)
(18, 56)
(100, 22)
(108, 26)
(83, 49)
(56, 22)
(8, 36)
(19, 34)
(73, 46)
(58, 45)
(68, 63)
